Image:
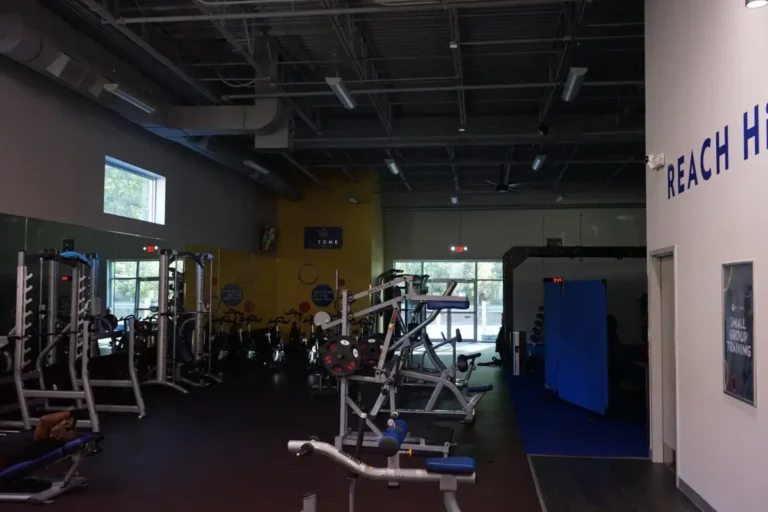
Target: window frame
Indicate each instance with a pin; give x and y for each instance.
(137, 278)
(475, 310)
(156, 191)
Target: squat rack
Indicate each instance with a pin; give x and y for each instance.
(78, 331)
(169, 308)
(516, 255)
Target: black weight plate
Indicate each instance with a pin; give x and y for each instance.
(371, 350)
(341, 356)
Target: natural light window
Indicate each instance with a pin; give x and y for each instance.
(134, 286)
(133, 192)
(480, 281)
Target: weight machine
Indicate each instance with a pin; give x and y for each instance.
(77, 332)
(170, 308)
(344, 358)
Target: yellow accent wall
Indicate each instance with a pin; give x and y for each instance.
(254, 273)
(271, 281)
(329, 207)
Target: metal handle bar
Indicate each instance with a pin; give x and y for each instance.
(366, 471)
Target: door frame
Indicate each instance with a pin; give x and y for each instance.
(655, 368)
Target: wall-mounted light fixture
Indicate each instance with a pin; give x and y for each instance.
(258, 170)
(573, 83)
(128, 98)
(458, 248)
(392, 166)
(340, 90)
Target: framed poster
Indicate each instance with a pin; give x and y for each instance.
(738, 332)
(323, 237)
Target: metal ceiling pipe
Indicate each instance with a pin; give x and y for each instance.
(303, 169)
(227, 3)
(138, 41)
(566, 39)
(339, 11)
(442, 88)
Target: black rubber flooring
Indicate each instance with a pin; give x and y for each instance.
(224, 449)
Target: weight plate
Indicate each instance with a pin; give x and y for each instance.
(321, 318)
(341, 356)
(371, 350)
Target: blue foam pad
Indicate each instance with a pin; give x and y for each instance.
(390, 441)
(72, 255)
(451, 465)
(447, 304)
(479, 389)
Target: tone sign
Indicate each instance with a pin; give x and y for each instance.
(738, 332)
(232, 295)
(323, 296)
(323, 238)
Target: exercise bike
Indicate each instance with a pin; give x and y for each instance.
(275, 341)
(448, 472)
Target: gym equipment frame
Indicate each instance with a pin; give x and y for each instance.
(515, 256)
(382, 374)
(169, 309)
(78, 332)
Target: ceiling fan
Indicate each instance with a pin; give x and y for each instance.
(508, 187)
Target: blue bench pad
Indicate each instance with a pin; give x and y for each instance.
(451, 465)
(479, 389)
(68, 449)
(447, 304)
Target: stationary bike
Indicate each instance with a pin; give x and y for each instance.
(275, 341)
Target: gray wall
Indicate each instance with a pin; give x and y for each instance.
(53, 143)
(427, 233)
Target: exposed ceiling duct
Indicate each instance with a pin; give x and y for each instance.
(192, 127)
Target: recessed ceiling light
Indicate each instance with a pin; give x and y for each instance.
(453, 45)
(462, 129)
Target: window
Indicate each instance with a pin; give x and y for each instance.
(133, 193)
(134, 287)
(480, 281)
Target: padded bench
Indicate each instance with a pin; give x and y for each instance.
(74, 450)
(451, 465)
(447, 304)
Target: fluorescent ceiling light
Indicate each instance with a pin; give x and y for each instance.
(756, 4)
(454, 199)
(538, 162)
(453, 45)
(392, 166)
(128, 98)
(259, 171)
(573, 83)
(462, 129)
(341, 91)
(353, 200)
(559, 198)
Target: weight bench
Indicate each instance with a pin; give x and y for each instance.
(447, 304)
(16, 480)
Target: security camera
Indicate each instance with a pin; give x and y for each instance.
(655, 162)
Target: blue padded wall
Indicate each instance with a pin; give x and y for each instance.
(552, 335)
(576, 342)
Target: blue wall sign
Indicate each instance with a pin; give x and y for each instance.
(713, 156)
(323, 296)
(232, 295)
(323, 238)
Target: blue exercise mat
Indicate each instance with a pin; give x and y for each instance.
(551, 426)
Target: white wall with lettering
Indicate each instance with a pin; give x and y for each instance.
(707, 99)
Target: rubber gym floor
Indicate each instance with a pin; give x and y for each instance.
(224, 448)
